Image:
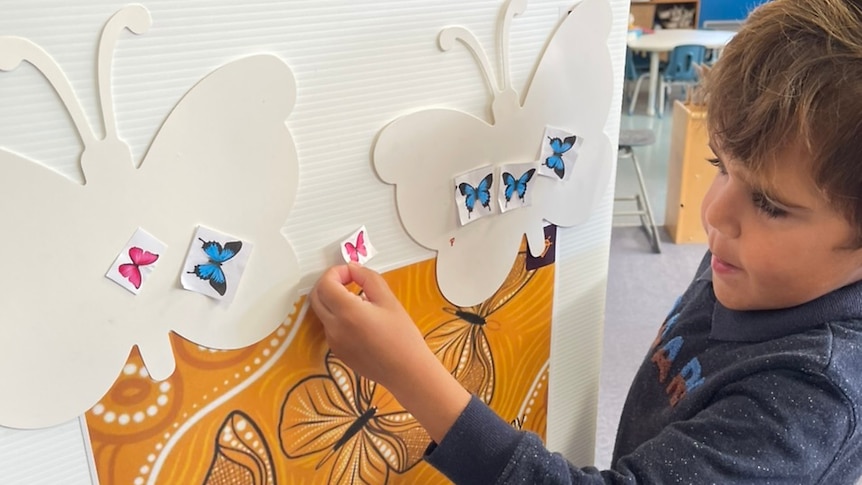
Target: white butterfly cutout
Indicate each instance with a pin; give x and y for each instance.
(421, 152)
(223, 158)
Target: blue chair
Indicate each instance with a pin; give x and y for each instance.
(637, 68)
(680, 70)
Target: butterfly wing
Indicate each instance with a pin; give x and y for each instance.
(230, 250)
(315, 414)
(562, 146)
(213, 250)
(515, 281)
(509, 182)
(567, 144)
(223, 153)
(351, 251)
(555, 162)
(358, 463)
(360, 244)
(40, 316)
(561, 96)
(556, 144)
(141, 257)
(484, 190)
(463, 349)
(399, 439)
(470, 195)
(214, 274)
(523, 180)
(132, 273)
(241, 455)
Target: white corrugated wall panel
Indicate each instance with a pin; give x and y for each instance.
(358, 65)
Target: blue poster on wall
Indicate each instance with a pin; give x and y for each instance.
(711, 10)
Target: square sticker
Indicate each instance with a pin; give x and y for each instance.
(215, 264)
(559, 153)
(515, 179)
(136, 261)
(473, 194)
(357, 248)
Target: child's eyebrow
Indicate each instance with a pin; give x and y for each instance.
(756, 186)
(767, 192)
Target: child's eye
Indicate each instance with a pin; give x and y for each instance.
(766, 206)
(716, 162)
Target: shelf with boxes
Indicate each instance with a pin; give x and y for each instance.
(667, 14)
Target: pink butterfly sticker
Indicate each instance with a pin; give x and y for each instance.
(132, 271)
(137, 260)
(357, 248)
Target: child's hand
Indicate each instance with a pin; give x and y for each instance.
(375, 336)
(371, 333)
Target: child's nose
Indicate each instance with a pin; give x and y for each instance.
(721, 209)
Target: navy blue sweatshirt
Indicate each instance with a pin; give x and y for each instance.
(723, 397)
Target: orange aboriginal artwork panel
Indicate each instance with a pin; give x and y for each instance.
(287, 411)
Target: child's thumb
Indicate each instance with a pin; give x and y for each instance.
(373, 285)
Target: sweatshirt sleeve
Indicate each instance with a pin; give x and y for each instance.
(774, 428)
(481, 448)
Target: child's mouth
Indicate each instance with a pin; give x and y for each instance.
(721, 266)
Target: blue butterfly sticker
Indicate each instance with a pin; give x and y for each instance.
(559, 146)
(480, 193)
(518, 185)
(217, 255)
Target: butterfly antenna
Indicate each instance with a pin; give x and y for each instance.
(512, 10)
(14, 50)
(450, 35)
(135, 18)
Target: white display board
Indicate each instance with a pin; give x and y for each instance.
(358, 66)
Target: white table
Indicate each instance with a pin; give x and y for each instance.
(665, 40)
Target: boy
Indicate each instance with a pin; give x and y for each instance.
(756, 375)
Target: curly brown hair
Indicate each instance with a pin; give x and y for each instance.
(792, 76)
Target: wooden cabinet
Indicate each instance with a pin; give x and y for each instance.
(645, 12)
(689, 175)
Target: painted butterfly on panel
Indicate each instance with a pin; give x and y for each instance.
(461, 343)
(444, 142)
(226, 137)
(517, 185)
(241, 455)
(480, 193)
(357, 428)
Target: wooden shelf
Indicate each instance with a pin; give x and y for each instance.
(659, 2)
(645, 12)
(688, 176)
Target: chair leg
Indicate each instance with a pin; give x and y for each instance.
(661, 98)
(650, 221)
(634, 97)
(636, 93)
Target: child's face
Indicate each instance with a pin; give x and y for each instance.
(777, 244)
